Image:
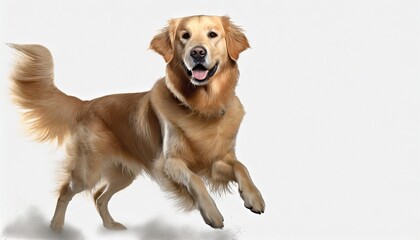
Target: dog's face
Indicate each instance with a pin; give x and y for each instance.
(201, 45)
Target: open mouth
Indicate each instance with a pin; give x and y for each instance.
(201, 74)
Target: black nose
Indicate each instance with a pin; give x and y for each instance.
(198, 53)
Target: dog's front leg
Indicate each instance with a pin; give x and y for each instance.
(179, 172)
(249, 193)
(230, 169)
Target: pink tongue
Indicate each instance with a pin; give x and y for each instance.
(199, 74)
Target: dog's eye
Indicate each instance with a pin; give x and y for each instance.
(186, 35)
(212, 34)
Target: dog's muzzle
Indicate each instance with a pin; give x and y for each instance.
(200, 74)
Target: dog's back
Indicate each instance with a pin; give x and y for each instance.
(131, 125)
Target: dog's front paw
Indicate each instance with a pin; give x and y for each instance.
(212, 217)
(253, 200)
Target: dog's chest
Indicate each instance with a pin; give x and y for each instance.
(212, 141)
(205, 140)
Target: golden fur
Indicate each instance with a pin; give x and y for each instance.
(182, 132)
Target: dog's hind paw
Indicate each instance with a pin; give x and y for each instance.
(115, 226)
(56, 227)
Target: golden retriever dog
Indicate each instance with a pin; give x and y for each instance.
(181, 133)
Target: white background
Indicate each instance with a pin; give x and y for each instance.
(331, 136)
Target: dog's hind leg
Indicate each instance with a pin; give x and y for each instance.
(67, 191)
(117, 180)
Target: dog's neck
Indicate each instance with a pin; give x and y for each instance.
(208, 114)
(210, 100)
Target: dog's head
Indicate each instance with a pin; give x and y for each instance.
(200, 45)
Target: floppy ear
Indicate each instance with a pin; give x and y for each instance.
(236, 40)
(163, 42)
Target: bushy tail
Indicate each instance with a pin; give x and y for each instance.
(50, 113)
